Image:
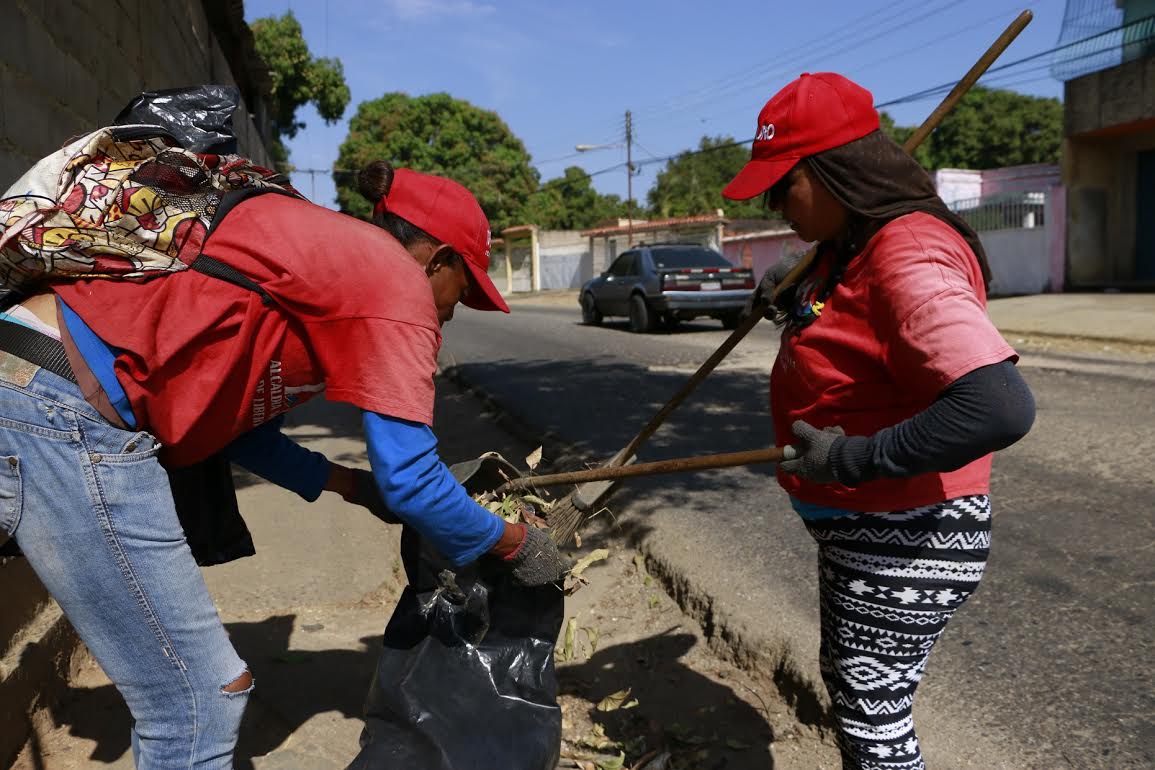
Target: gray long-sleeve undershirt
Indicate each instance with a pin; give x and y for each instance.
(979, 413)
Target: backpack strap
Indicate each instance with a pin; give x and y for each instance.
(217, 269)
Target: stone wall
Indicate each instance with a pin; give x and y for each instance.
(69, 66)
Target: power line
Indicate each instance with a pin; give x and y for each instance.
(817, 54)
(818, 43)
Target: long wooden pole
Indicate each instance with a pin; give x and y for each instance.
(681, 464)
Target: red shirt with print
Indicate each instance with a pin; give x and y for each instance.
(204, 361)
(908, 318)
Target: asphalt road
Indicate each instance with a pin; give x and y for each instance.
(1049, 665)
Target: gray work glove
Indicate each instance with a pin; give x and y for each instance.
(367, 494)
(810, 456)
(537, 561)
(773, 276)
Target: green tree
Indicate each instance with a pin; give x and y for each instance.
(992, 128)
(298, 79)
(438, 134)
(570, 202)
(692, 183)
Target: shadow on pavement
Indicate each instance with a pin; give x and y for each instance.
(701, 722)
(292, 686)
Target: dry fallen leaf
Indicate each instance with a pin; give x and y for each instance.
(614, 701)
(592, 635)
(568, 644)
(575, 580)
(530, 517)
(534, 459)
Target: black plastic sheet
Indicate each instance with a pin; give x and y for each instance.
(199, 117)
(466, 678)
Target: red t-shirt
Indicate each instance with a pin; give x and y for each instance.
(204, 361)
(908, 318)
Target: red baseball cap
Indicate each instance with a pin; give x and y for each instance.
(813, 113)
(449, 212)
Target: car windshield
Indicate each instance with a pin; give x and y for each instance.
(687, 256)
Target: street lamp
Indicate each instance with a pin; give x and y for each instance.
(629, 171)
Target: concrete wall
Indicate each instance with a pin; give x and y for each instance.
(958, 184)
(1110, 97)
(521, 261)
(67, 67)
(564, 258)
(1019, 260)
(1109, 118)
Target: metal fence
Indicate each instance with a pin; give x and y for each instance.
(1098, 34)
(1019, 212)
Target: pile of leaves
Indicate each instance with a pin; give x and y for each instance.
(533, 511)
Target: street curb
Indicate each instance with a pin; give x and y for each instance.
(1120, 342)
(804, 694)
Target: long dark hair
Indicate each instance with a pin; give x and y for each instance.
(374, 182)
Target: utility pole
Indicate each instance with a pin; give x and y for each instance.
(629, 178)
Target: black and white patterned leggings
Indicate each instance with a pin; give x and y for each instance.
(888, 584)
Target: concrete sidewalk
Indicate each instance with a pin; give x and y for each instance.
(1128, 318)
(1109, 317)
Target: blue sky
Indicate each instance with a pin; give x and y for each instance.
(564, 73)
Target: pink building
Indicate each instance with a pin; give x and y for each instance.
(762, 248)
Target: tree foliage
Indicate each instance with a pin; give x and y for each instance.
(298, 79)
(691, 184)
(570, 202)
(438, 134)
(995, 128)
(991, 128)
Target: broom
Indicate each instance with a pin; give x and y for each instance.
(567, 514)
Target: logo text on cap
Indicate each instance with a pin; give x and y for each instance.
(765, 132)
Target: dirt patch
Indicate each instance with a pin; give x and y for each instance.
(642, 688)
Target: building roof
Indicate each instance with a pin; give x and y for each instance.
(518, 230)
(777, 232)
(674, 223)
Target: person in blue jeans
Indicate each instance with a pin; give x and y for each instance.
(106, 385)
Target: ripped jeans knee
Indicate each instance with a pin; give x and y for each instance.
(242, 685)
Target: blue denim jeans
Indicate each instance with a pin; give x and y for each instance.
(90, 506)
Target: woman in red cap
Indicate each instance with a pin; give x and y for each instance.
(132, 379)
(893, 386)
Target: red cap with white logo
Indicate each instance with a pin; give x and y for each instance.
(816, 112)
(450, 213)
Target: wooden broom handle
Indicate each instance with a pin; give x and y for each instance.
(748, 323)
(608, 473)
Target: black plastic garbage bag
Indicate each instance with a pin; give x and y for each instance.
(199, 117)
(466, 678)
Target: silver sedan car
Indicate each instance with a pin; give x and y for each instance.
(666, 284)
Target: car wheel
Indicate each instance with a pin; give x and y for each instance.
(641, 319)
(591, 316)
(671, 321)
(732, 320)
